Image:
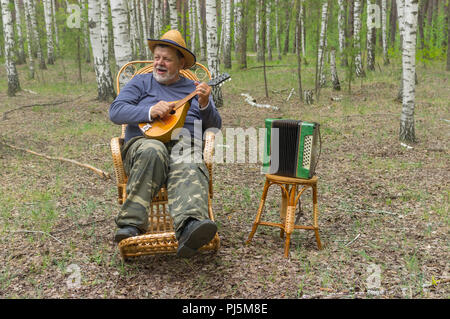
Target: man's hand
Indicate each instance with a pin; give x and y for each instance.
(161, 109)
(203, 91)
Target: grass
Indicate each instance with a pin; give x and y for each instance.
(363, 172)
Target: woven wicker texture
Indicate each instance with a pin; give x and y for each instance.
(290, 195)
(160, 235)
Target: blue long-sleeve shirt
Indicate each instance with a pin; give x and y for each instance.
(133, 103)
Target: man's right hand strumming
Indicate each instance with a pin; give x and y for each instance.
(161, 109)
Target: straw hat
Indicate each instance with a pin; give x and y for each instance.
(174, 39)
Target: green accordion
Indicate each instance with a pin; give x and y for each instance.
(291, 148)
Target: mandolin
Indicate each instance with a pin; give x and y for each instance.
(161, 129)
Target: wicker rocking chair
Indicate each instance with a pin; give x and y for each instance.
(160, 235)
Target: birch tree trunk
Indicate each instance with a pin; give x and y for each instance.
(122, 46)
(277, 28)
(227, 35)
(287, 27)
(200, 31)
(371, 34)
(8, 33)
(55, 25)
(173, 14)
(334, 74)
(29, 6)
(407, 131)
(30, 43)
(48, 27)
(144, 23)
(192, 25)
(400, 13)
(99, 41)
(21, 49)
(357, 38)
(341, 32)
(302, 28)
(212, 48)
(384, 31)
(268, 28)
(259, 23)
(157, 18)
(321, 48)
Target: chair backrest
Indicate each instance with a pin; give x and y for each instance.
(197, 73)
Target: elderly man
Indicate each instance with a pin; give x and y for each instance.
(149, 163)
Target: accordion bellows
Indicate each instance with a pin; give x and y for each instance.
(291, 148)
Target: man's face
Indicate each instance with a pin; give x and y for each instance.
(167, 65)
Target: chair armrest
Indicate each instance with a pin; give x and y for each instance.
(121, 177)
(208, 157)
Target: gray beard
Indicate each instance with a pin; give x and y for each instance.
(165, 78)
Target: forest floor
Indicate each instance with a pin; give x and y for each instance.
(384, 207)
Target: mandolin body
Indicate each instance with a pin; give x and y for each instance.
(161, 129)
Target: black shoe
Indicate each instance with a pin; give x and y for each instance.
(195, 234)
(125, 232)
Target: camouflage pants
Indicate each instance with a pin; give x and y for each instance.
(150, 164)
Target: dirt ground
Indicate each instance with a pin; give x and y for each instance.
(383, 221)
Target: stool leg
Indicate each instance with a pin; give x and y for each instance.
(260, 209)
(290, 219)
(316, 216)
(283, 207)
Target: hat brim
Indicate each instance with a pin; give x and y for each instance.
(189, 57)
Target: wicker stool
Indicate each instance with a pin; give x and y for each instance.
(289, 199)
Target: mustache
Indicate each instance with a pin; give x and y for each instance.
(161, 68)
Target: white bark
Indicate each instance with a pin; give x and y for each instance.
(227, 35)
(258, 30)
(144, 28)
(157, 19)
(211, 37)
(8, 31)
(29, 41)
(407, 132)
(277, 33)
(21, 48)
(99, 41)
(55, 25)
(192, 24)
(48, 27)
(122, 46)
(341, 27)
(268, 28)
(322, 43)
(302, 28)
(334, 74)
(357, 38)
(237, 23)
(384, 31)
(173, 14)
(29, 6)
(370, 31)
(400, 14)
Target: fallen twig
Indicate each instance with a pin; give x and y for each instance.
(35, 232)
(96, 170)
(250, 100)
(37, 104)
(290, 94)
(351, 242)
